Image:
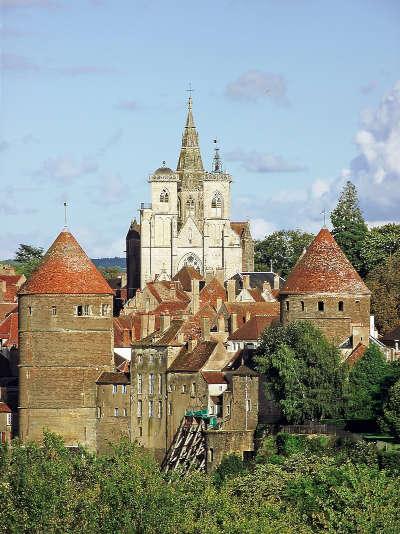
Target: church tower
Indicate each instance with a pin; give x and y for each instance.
(188, 220)
(65, 340)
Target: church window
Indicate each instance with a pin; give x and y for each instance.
(151, 408)
(340, 306)
(164, 196)
(321, 305)
(216, 204)
(190, 206)
(139, 408)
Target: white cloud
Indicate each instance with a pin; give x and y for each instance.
(65, 169)
(255, 85)
(263, 162)
(111, 190)
(260, 228)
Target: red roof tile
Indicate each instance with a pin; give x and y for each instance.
(256, 294)
(66, 270)
(9, 330)
(356, 355)
(193, 361)
(211, 292)
(271, 309)
(6, 308)
(253, 329)
(324, 269)
(185, 277)
(4, 408)
(213, 377)
(13, 283)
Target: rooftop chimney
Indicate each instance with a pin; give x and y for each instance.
(165, 322)
(192, 343)
(205, 328)
(143, 326)
(195, 303)
(219, 303)
(231, 290)
(234, 325)
(276, 281)
(221, 323)
(246, 281)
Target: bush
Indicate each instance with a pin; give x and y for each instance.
(390, 460)
(230, 466)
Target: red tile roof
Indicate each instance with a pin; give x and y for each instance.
(193, 361)
(122, 331)
(270, 309)
(9, 330)
(213, 377)
(107, 377)
(256, 294)
(211, 292)
(66, 270)
(253, 329)
(13, 283)
(324, 269)
(185, 277)
(4, 408)
(6, 308)
(356, 355)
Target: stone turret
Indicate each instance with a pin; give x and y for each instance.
(325, 289)
(65, 339)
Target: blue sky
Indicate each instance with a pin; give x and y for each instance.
(302, 95)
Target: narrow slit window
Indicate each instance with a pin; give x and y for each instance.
(302, 305)
(287, 305)
(321, 305)
(54, 310)
(340, 306)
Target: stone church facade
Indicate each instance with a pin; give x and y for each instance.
(188, 221)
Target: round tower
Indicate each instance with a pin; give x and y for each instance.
(65, 339)
(325, 289)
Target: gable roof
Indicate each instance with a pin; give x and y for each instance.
(193, 361)
(324, 269)
(243, 370)
(253, 329)
(211, 292)
(4, 408)
(185, 277)
(356, 354)
(214, 377)
(66, 270)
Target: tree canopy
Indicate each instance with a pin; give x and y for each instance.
(384, 283)
(349, 228)
(282, 248)
(380, 243)
(391, 412)
(368, 382)
(27, 258)
(302, 370)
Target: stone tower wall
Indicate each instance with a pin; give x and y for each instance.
(337, 325)
(61, 356)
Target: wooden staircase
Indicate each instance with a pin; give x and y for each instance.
(188, 450)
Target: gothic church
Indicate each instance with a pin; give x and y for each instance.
(188, 221)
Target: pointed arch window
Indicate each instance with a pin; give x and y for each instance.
(216, 204)
(190, 206)
(164, 195)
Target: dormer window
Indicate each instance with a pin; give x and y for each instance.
(164, 196)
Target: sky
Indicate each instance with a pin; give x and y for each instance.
(301, 94)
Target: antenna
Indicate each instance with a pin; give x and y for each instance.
(190, 90)
(65, 215)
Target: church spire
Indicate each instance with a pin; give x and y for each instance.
(190, 157)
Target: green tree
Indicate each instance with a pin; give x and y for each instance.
(391, 412)
(384, 283)
(282, 248)
(302, 370)
(367, 385)
(379, 244)
(349, 228)
(27, 258)
(111, 272)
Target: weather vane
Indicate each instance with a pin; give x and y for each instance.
(65, 215)
(190, 90)
(324, 213)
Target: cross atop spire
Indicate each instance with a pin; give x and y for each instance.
(190, 157)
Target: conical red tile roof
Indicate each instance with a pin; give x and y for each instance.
(324, 269)
(67, 270)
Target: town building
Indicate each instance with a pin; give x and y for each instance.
(188, 222)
